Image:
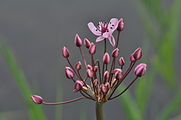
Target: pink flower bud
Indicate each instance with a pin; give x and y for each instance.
(118, 73)
(116, 70)
(120, 25)
(87, 43)
(95, 68)
(78, 65)
(37, 99)
(140, 69)
(104, 89)
(106, 75)
(136, 55)
(115, 53)
(92, 49)
(89, 67)
(121, 61)
(132, 59)
(78, 41)
(78, 85)
(90, 73)
(107, 84)
(65, 52)
(95, 83)
(69, 72)
(106, 58)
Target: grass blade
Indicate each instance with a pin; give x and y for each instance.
(35, 111)
(129, 106)
(171, 108)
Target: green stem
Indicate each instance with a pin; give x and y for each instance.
(99, 112)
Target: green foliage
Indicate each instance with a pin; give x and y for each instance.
(2, 117)
(171, 108)
(130, 108)
(162, 28)
(35, 111)
(177, 118)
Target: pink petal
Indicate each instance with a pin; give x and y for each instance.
(107, 34)
(112, 40)
(113, 24)
(100, 38)
(93, 29)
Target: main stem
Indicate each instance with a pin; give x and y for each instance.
(99, 111)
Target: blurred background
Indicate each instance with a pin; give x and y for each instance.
(33, 32)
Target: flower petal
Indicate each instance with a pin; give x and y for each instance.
(112, 40)
(113, 24)
(100, 38)
(107, 34)
(93, 29)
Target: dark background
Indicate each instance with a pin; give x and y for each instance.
(37, 30)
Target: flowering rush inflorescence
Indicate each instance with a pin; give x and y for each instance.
(102, 77)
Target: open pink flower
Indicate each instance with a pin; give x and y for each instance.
(104, 30)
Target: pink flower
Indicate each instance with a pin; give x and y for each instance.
(104, 30)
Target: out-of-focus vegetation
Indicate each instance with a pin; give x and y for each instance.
(162, 28)
(35, 111)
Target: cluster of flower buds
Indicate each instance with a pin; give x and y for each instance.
(103, 76)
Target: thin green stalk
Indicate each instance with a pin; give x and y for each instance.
(99, 111)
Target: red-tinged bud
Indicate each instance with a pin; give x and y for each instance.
(78, 41)
(120, 25)
(132, 59)
(69, 72)
(90, 73)
(118, 73)
(116, 70)
(106, 58)
(140, 69)
(65, 52)
(107, 84)
(115, 53)
(92, 49)
(136, 55)
(37, 99)
(106, 75)
(87, 43)
(78, 85)
(95, 68)
(78, 65)
(104, 89)
(89, 67)
(121, 61)
(95, 83)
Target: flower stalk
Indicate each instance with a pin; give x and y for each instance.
(99, 111)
